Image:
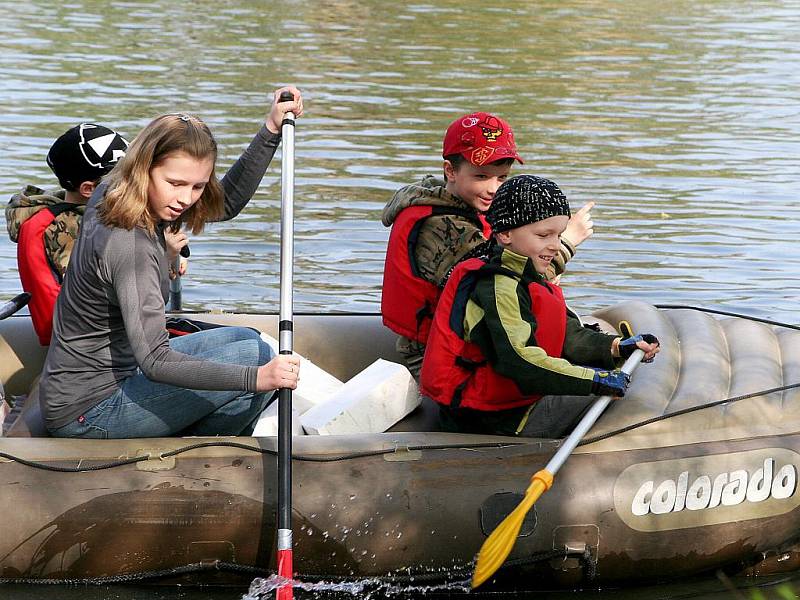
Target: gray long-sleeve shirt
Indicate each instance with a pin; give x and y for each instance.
(109, 318)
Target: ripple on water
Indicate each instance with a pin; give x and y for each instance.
(685, 129)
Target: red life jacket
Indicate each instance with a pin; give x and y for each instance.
(408, 300)
(39, 276)
(455, 372)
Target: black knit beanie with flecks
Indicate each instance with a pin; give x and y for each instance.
(525, 199)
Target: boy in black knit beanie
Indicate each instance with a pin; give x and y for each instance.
(503, 342)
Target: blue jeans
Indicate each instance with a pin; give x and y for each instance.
(145, 408)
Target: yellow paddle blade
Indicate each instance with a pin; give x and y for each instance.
(498, 545)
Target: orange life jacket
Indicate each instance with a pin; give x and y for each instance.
(408, 300)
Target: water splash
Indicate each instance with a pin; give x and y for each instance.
(364, 589)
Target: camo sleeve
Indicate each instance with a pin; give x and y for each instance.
(59, 238)
(559, 264)
(16, 216)
(443, 241)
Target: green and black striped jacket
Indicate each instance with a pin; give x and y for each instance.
(499, 320)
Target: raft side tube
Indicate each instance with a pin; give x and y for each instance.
(789, 342)
(755, 366)
(653, 385)
(705, 374)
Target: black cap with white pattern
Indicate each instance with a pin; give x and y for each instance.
(525, 199)
(85, 152)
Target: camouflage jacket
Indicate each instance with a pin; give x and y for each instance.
(445, 240)
(60, 236)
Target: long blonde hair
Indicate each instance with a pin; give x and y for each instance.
(126, 203)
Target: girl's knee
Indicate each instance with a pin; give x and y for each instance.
(253, 352)
(265, 352)
(244, 333)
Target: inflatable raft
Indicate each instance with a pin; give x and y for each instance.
(646, 496)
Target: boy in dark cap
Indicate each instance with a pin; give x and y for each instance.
(45, 224)
(436, 223)
(503, 341)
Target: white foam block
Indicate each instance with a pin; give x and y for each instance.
(370, 402)
(267, 424)
(315, 385)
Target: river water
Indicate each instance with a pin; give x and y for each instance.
(680, 119)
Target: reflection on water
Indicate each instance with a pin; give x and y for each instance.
(680, 119)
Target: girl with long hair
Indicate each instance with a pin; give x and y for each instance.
(111, 371)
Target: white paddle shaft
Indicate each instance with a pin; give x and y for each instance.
(589, 419)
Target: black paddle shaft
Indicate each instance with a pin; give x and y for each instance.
(13, 305)
(285, 329)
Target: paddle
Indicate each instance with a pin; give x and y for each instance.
(285, 344)
(176, 285)
(498, 545)
(13, 305)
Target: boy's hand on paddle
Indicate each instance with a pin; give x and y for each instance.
(579, 226)
(283, 371)
(279, 109)
(610, 383)
(646, 342)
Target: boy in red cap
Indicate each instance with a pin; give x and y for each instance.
(437, 223)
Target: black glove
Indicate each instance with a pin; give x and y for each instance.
(628, 345)
(610, 383)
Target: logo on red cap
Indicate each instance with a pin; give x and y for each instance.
(480, 156)
(480, 138)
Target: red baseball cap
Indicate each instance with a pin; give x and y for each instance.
(481, 138)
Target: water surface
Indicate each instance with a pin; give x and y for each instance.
(680, 119)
